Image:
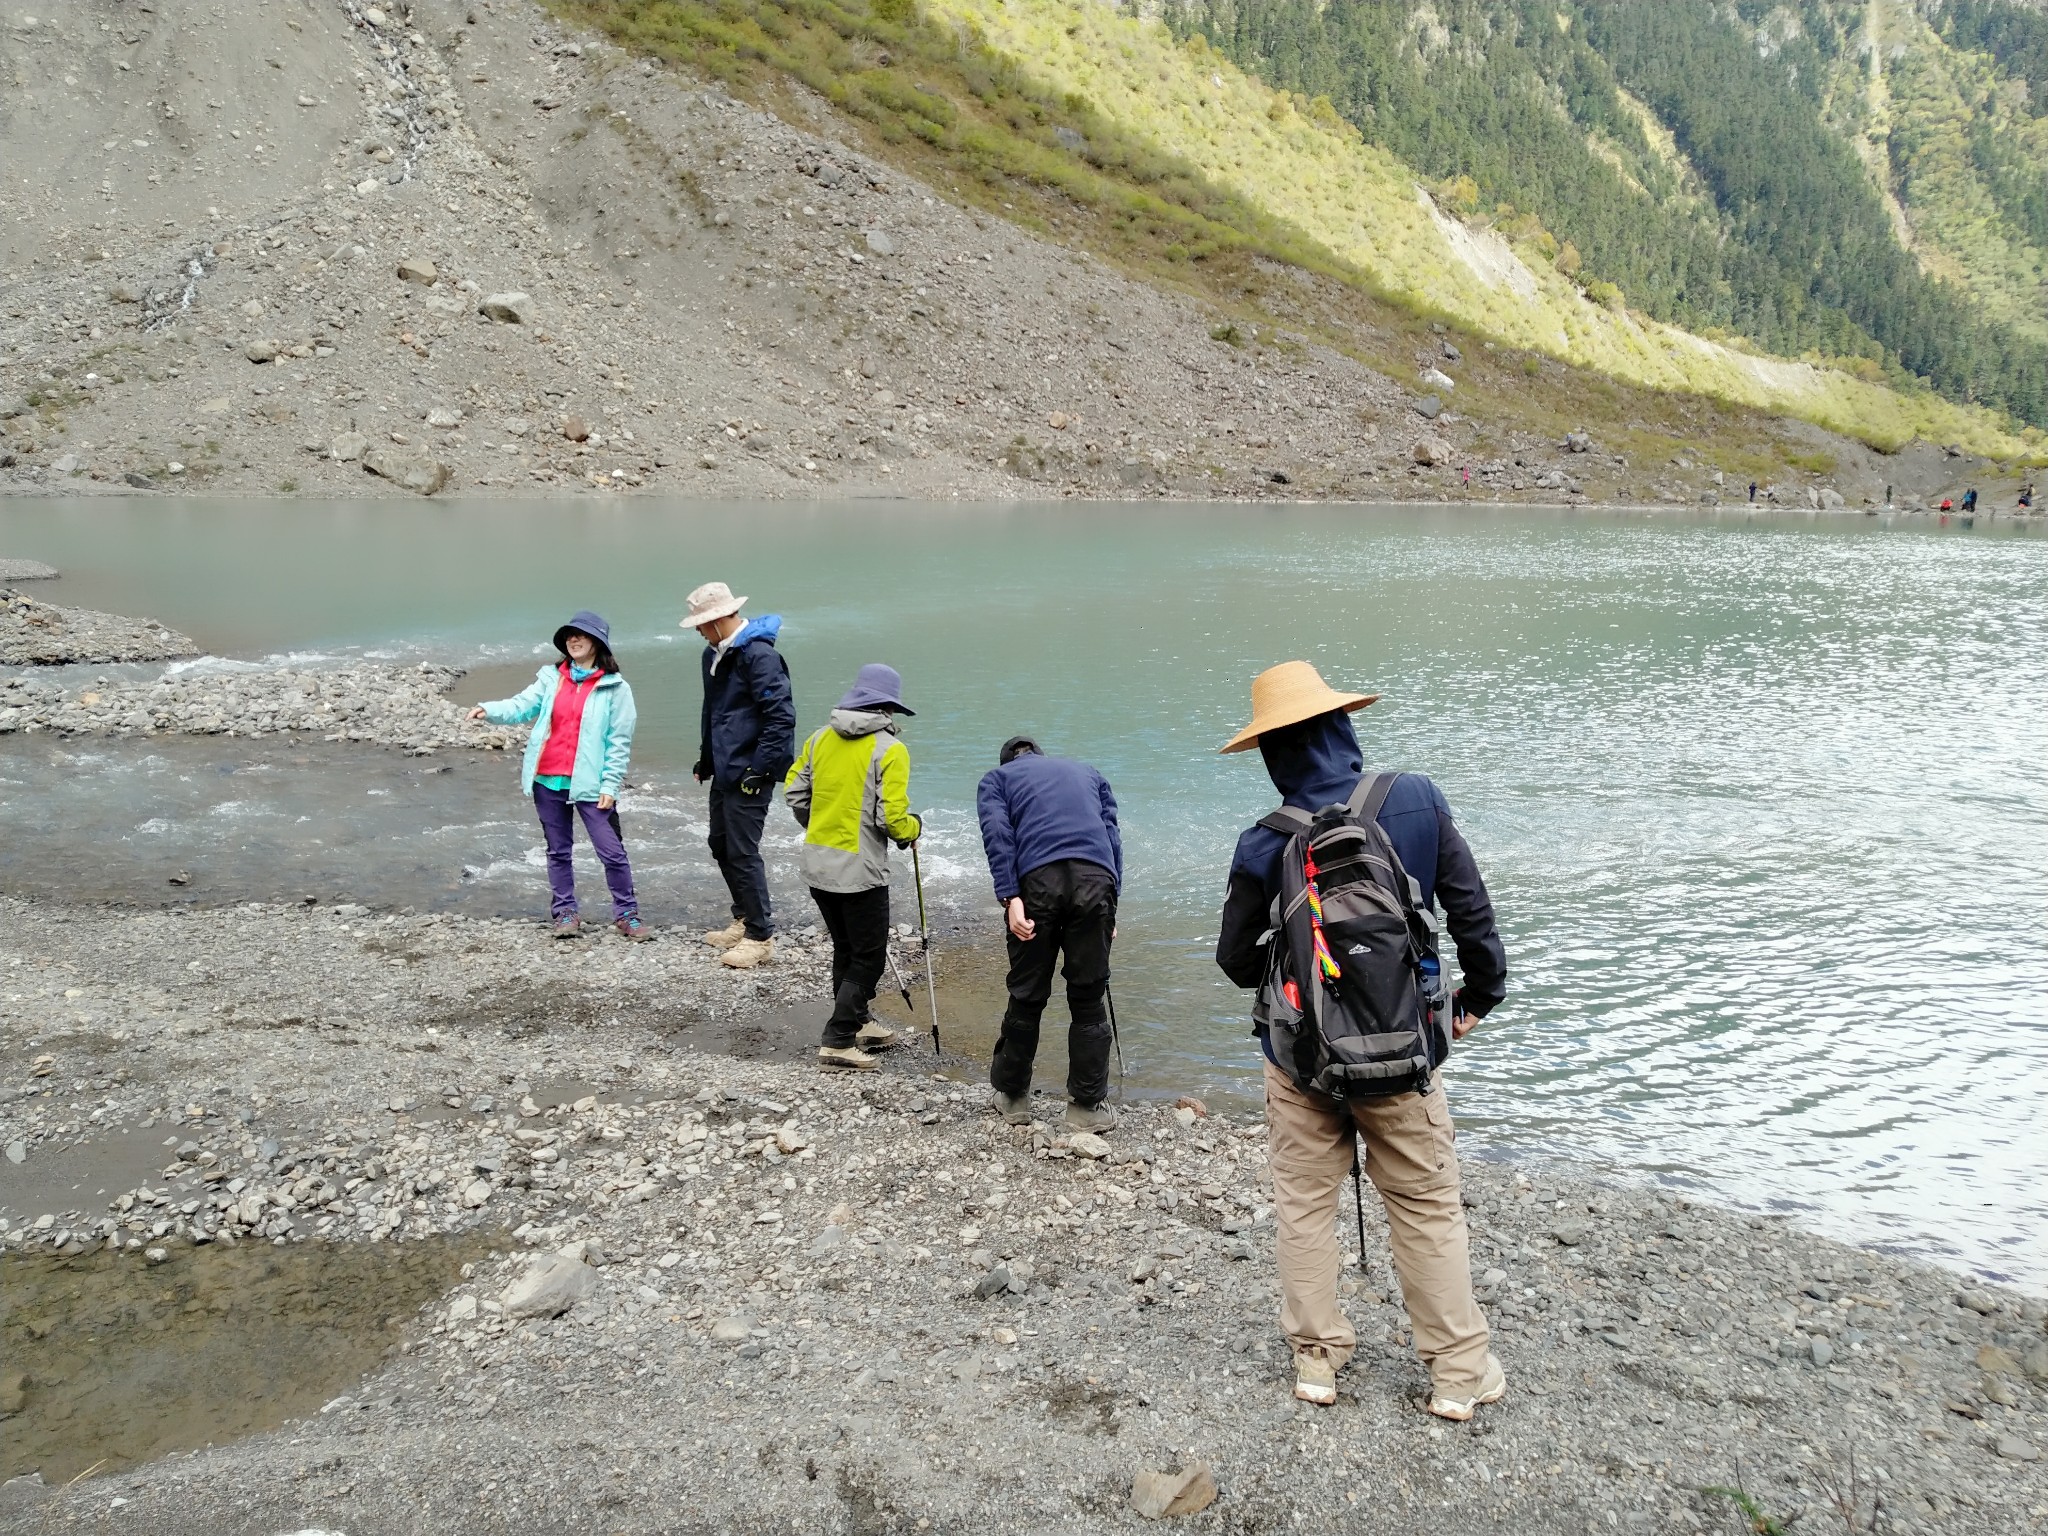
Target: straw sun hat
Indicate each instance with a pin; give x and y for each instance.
(1288, 694)
(713, 600)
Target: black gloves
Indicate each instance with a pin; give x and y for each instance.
(756, 784)
(702, 772)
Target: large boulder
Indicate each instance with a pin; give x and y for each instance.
(412, 467)
(507, 308)
(551, 1285)
(1430, 450)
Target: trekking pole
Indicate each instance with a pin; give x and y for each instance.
(1358, 1195)
(901, 985)
(924, 928)
(1116, 1039)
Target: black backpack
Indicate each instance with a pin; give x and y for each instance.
(1381, 1024)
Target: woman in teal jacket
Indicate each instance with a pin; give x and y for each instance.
(583, 716)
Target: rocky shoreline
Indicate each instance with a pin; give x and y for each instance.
(728, 1294)
(405, 707)
(12, 571)
(35, 633)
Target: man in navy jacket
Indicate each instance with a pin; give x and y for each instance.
(748, 744)
(1302, 729)
(1048, 825)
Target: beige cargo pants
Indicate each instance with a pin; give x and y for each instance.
(1412, 1162)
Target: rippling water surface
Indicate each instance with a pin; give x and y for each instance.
(1762, 801)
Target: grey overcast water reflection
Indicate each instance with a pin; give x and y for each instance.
(1760, 798)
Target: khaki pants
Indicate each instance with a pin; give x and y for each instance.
(1410, 1158)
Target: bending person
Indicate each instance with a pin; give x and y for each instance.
(850, 791)
(576, 759)
(1049, 828)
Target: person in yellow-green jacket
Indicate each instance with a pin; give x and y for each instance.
(850, 791)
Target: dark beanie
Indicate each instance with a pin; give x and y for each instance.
(1015, 748)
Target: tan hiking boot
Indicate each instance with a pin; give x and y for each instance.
(874, 1036)
(844, 1058)
(726, 937)
(1090, 1117)
(1315, 1375)
(1493, 1386)
(1015, 1108)
(748, 953)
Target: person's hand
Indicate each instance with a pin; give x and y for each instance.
(1020, 925)
(477, 712)
(702, 772)
(1462, 1024)
(606, 802)
(755, 783)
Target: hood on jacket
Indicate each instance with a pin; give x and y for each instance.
(856, 723)
(1313, 763)
(766, 627)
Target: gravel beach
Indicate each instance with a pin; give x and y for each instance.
(720, 1292)
(35, 633)
(404, 707)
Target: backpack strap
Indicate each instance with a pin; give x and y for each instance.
(1287, 821)
(1371, 794)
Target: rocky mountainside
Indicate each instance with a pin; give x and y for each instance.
(325, 248)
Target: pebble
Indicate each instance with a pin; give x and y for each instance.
(1088, 1144)
(1823, 1353)
(732, 1330)
(418, 270)
(2014, 1448)
(1186, 1491)
(507, 308)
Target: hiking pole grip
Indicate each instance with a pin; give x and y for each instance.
(924, 929)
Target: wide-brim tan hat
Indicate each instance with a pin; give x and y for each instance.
(713, 600)
(1288, 694)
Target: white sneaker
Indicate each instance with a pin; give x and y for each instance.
(1315, 1376)
(1492, 1388)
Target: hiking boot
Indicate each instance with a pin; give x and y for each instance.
(1014, 1107)
(565, 927)
(633, 930)
(1090, 1117)
(1493, 1386)
(748, 953)
(875, 1037)
(844, 1058)
(1315, 1375)
(726, 937)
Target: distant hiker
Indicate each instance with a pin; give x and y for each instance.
(1049, 828)
(850, 791)
(576, 758)
(1345, 1002)
(1970, 499)
(1887, 495)
(2027, 494)
(1467, 473)
(1947, 505)
(1752, 493)
(748, 743)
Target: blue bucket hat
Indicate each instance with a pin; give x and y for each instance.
(877, 687)
(585, 622)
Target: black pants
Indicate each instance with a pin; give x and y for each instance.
(1073, 902)
(859, 924)
(737, 821)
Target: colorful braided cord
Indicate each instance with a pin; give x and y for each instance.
(1325, 961)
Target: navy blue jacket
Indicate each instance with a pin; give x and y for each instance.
(749, 712)
(1317, 763)
(1036, 810)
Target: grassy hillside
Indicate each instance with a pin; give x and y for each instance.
(1951, 123)
(1103, 130)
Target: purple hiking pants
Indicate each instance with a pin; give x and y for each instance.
(558, 825)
